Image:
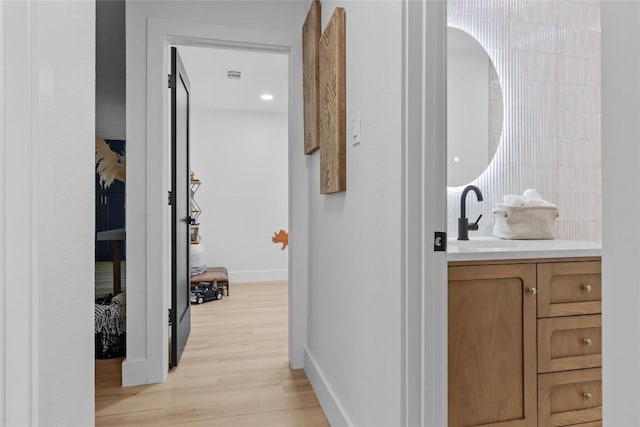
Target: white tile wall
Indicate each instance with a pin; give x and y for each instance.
(547, 54)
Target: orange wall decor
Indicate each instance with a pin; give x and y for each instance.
(281, 237)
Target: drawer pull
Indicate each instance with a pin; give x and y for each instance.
(586, 396)
(532, 291)
(586, 287)
(587, 342)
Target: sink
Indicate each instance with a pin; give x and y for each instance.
(493, 244)
(485, 243)
(491, 248)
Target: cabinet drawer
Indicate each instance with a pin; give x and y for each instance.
(569, 343)
(569, 288)
(570, 398)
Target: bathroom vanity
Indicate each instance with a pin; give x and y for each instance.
(524, 326)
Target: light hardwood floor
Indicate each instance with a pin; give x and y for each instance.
(234, 371)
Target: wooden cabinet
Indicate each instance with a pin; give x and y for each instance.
(525, 344)
(569, 343)
(492, 346)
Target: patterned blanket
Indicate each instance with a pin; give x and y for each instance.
(110, 323)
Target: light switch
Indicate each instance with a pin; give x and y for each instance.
(356, 126)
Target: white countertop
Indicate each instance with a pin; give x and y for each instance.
(493, 248)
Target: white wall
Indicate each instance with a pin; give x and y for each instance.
(547, 55)
(241, 158)
(110, 69)
(621, 209)
(47, 213)
(110, 121)
(255, 22)
(354, 312)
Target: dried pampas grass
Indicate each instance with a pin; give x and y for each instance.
(109, 164)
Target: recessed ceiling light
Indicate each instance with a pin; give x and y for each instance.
(266, 97)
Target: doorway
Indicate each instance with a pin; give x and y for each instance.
(147, 355)
(239, 121)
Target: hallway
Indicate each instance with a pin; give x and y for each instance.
(234, 371)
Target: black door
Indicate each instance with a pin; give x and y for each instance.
(180, 211)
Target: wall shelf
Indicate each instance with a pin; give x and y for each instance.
(195, 211)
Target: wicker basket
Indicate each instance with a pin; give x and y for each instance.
(524, 223)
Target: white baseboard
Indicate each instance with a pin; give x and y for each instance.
(257, 276)
(333, 409)
(134, 372)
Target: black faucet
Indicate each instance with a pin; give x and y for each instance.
(463, 222)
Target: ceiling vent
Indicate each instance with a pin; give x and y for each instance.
(234, 74)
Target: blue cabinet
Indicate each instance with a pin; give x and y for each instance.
(110, 208)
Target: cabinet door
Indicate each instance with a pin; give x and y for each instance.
(492, 346)
(115, 206)
(103, 248)
(110, 203)
(110, 214)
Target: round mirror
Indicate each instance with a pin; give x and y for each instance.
(474, 108)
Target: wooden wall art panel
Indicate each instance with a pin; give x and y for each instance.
(310, 76)
(333, 164)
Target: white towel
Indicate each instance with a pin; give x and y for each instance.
(513, 200)
(530, 198)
